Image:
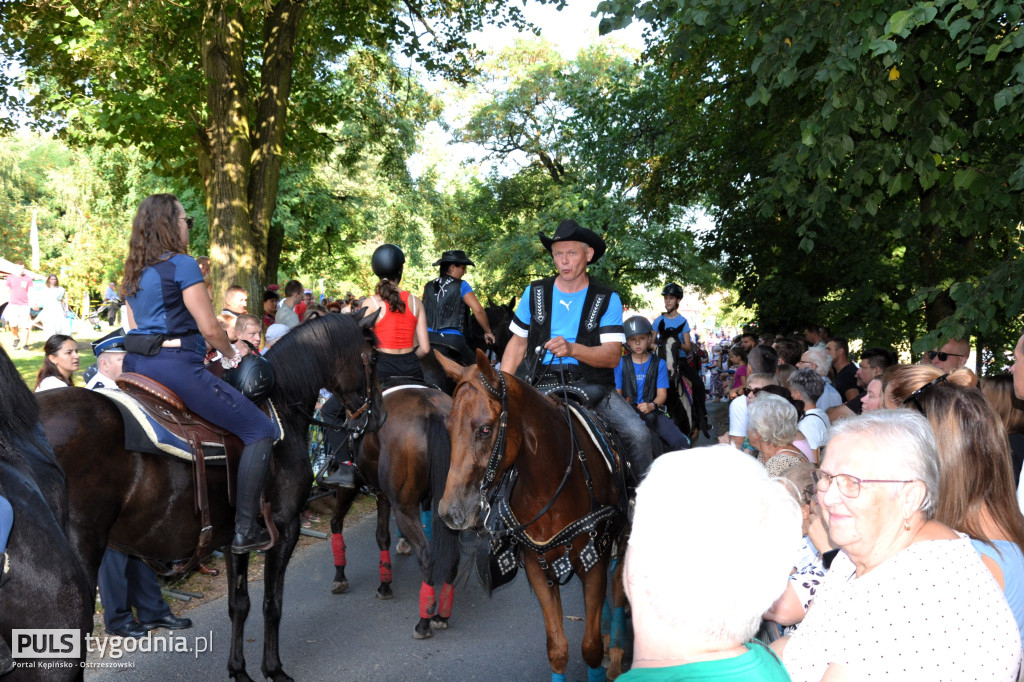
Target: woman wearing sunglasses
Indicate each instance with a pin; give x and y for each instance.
(907, 597)
(172, 319)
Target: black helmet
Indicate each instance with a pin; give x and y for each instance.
(672, 289)
(636, 326)
(387, 262)
(254, 377)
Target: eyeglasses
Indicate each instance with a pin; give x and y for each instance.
(189, 221)
(849, 486)
(748, 391)
(913, 397)
(932, 354)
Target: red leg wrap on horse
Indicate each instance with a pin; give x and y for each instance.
(338, 547)
(444, 604)
(385, 566)
(428, 604)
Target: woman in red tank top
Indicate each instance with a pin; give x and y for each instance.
(401, 326)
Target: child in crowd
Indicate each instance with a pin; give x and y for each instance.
(642, 379)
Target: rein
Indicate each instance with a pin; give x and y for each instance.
(350, 425)
(562, 567)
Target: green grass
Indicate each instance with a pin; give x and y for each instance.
(28, 362)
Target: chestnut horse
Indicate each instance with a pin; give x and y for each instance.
(42, 583)
(144, 504)
(506, 435)
(406, 463)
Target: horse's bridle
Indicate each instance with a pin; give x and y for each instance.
(498, 449)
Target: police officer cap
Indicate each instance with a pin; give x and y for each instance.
(570, 231)
(636, 326)
(387, 262)
(672, 289)
(454, 257)
(254, 377)
(112, 342)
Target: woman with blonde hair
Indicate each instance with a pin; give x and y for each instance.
(976, 494)
(998, 392)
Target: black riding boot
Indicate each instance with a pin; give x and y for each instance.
(252, 474)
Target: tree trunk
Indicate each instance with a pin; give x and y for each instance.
(236, 257)
(280, 30)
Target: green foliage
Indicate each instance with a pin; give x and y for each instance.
(557, 120)
(863, 166)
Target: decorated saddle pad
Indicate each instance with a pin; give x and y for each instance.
(144, 433)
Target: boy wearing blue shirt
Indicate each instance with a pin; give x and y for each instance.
(642, 379)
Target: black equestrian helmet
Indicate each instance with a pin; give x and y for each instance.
(672, 289)
(387, 262)
(254, 377)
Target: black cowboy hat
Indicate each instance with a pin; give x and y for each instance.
(454, 257)
(570, 231)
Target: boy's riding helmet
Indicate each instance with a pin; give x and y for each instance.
(672, 289)
(387, 262)
(637, 326)
(254, 377)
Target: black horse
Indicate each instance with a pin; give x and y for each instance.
(144, 504)
(42, 583)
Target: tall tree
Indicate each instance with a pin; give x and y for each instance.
(221, 90)
(880, 151)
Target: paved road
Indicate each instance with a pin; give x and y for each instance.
(356, 637)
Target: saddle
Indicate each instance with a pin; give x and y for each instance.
(157, 421)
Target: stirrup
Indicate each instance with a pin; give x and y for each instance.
(343, 477)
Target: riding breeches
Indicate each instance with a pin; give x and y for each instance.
(211, 398)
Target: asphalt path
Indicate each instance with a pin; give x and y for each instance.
(355, 636)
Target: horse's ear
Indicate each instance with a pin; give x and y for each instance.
(369, 320)
(485, 366)
(661, 328)
(358, 314)
(450, 367)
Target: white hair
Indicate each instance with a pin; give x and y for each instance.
(689, 507)
(822, 363)
(907, 439)
(774, 418)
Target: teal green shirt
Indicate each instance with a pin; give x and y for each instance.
(759, 664)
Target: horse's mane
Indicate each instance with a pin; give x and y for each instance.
(300, 357)
(19, 412)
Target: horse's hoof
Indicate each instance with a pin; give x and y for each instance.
(403, 547)
(339, 587)
(439, 623)
(384, 592)
(422, 630)
(615, 665)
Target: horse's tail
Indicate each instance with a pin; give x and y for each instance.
(444, 543)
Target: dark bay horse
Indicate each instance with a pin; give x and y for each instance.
(504, 433)
(407, 462)
(42, 583)
(144, 504)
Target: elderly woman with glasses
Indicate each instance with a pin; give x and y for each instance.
(977, 495)
(907, 597)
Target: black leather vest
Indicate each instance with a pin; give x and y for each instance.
(442, 301)
(650, 381)
(589, 334)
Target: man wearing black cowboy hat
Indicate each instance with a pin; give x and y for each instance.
(571, 326)
(445, 301)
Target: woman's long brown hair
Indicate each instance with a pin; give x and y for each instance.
(155, 237)
(49, 369)
(974, 453)
(390, 294)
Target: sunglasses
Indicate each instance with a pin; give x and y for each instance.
(932, 354)
(747, 390)
(914, 397)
